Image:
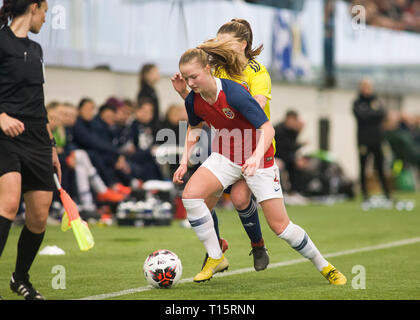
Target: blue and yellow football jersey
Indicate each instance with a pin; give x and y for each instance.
(256, 79)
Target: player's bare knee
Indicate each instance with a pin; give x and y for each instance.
(9, 207)
(240, 196)
(240, 202)
(189, 193)
(279, 226)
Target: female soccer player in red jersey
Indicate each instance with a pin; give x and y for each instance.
(242, 148)
(257, 79)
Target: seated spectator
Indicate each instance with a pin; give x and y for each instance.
(170, 132)
(103, 153)
(392, 14)
(174, 137)
(57, 126)
(143, 164)
(403, 145)
(286, 134)
(149, 76)
(123, 118)
(416, 129)
(78, 174)
(55, 119)
(141, 131)
(411, 123)
(174, 115)
(55, 122)
(318, 175)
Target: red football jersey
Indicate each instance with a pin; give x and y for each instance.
(236, 116)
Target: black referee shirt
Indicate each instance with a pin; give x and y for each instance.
(21, 77)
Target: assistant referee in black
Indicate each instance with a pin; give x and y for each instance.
(27, 151)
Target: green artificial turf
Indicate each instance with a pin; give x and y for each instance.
(115, 263)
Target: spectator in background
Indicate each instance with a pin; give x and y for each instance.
(88, 135)
(116, 165)
(142, 162)
(370, 113)
(286, 134)
(414, 10)
(141, 131)
(391, 14)
(174, 115)
(124, 116)
(68, 114)
(411, 124)
(417, 129)
(149, 76)
(403, 144)
(56, 119)
(85, 176)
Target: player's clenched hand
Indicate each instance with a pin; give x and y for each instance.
(10, 126)
(179, 84)
(250, 166)
(179, 174)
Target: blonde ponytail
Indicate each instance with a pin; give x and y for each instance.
(218, 55)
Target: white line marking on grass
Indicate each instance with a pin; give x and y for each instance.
(273, 265)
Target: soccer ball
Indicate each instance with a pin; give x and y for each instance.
(162, 269)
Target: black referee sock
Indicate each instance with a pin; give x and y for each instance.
(28, 247)
(4, 232)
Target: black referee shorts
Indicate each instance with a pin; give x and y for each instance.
(30, 154)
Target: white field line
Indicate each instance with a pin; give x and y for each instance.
(273, 265)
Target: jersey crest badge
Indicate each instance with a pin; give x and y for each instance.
(228, 113)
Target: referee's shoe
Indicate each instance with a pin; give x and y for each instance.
(24, 288)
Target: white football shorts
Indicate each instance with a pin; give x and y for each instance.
(264, 184)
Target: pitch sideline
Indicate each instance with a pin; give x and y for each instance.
(271, 266)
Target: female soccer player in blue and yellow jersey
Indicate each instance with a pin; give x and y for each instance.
(256, 79)
(242, 149)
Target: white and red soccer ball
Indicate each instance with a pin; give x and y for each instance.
(162, 269)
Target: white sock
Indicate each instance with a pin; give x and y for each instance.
(201, 221)
(98, 184)
(86, 199)
(83, 188)
(299, 240)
